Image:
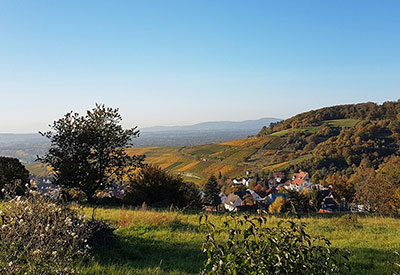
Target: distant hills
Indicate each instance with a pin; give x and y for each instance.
(201, 133)
(216, 125)
(26, 147)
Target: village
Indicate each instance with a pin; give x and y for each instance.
(278, 194)
(274, 194)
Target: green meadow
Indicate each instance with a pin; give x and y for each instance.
(168, 242)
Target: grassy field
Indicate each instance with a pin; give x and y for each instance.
(344, 122)
(164, 242)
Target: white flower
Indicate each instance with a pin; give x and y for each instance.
(10, 263)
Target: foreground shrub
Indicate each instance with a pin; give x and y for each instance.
(40, 236)
(254, 248)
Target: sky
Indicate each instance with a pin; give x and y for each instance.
(173, 62)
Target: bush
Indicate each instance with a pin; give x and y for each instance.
(254, 248)
(158, 188)
(39, 236)
(12, 172)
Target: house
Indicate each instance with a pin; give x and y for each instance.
(301, 176)
(329, 205)
(232, 202)
(278, 176)
(239, 200)
(45, 186)
(255, 196)
(300, 181)
(242, 181)
(222, 197)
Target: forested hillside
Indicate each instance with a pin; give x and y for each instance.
(340, 137)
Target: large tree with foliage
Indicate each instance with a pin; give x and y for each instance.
(88, 152)
(378, 190)
(211, 192)
(13, 175)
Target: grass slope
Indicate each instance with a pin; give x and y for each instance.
(162, 242)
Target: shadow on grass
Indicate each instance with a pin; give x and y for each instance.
(372, 261)
(134, 251)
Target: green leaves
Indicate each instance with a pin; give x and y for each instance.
(87, 152)
(255, 247)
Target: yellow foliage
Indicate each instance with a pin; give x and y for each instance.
(188, 166)
(395, 203)
(276, 166)
(277, 205)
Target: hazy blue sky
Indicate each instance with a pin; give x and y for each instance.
(181, 62)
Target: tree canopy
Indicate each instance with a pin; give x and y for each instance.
(88, 152)
(13, 173)
(211, 192)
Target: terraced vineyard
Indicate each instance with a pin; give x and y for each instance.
(233, 158)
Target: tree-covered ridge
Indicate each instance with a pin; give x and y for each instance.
(389, 110)
(337, 138)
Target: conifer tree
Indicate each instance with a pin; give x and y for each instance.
(211, 191)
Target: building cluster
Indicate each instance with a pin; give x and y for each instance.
(252, 196)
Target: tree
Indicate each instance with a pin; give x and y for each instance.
(211, 192)
(88, 152)
(157, 187)
(13, 173)
(377, 189)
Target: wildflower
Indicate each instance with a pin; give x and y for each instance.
(10, 263)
